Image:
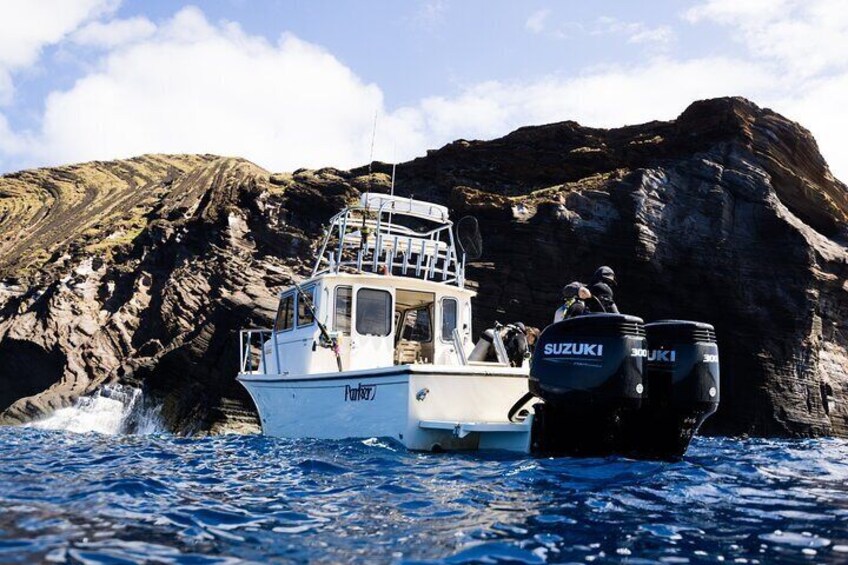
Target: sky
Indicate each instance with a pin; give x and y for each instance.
(302, 83)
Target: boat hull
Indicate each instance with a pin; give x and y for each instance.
(424, 407)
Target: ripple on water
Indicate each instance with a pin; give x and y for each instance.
(92, 499)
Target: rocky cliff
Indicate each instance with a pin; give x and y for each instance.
(141, 270)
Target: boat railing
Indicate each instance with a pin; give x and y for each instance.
(253, 359)
(500, 348)
(459, 347)
(369, 238)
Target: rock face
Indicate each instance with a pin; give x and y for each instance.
(142, 270)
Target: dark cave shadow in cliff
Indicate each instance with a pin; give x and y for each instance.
(26, 369)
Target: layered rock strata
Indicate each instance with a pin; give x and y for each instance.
(142, 270)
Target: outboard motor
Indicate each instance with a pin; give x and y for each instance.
(681, 388)
(588, 372)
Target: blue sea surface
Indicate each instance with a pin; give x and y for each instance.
(87, 498)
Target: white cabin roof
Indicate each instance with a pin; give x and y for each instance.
(407, 206)
(374, 280)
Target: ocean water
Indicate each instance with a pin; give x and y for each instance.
(93, 498)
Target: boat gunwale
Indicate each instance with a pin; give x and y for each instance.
(383, 372)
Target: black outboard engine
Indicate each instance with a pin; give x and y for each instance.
(681, 388)
(588, 372)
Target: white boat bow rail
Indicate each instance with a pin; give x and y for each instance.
(392, 235)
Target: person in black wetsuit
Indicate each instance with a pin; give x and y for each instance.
(601, 288)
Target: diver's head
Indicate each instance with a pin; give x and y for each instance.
(604, 274)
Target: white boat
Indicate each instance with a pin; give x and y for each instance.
(378, 343)
(389, 287)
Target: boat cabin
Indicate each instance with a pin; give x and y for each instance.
(388, 286)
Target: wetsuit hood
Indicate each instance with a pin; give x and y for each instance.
(604, 274)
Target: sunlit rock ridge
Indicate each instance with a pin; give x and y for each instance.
(141, 271)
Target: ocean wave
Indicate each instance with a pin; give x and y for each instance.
(128, 498)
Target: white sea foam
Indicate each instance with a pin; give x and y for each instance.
(112, 409)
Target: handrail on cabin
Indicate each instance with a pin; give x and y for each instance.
(382, 251)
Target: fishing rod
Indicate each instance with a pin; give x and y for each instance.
(326, 340)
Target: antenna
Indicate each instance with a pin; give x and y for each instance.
(392, 192)
(394, 167)
(373, 136)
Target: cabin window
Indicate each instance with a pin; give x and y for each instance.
(344, 306)
(304, 314)
(285, 314)
(417, 325)
(373, 312)
(449, 308)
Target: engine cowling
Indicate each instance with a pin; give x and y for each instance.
(682, 366)
(588, 372)
(597, 358)
(681, 381)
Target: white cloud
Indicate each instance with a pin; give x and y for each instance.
(609, 97)
(189, 85)
(731, 11)
(29, 26)
(198, 87)
(657, 35)
(539, 22)
(635, 32)
(114, 33)
(805, 37)
(536, 21)
(194, 86)
(26, 27)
